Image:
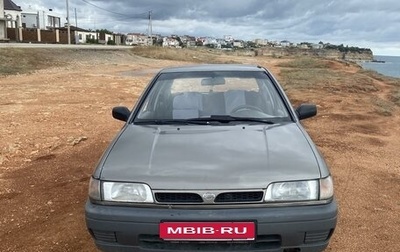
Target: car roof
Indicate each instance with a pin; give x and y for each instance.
(213, 67)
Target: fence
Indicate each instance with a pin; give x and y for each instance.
(59, 36)
(37, 35)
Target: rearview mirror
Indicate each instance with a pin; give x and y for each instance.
(305, 111)
(213, 81)
(121, 113)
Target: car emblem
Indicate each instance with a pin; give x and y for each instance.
(209, 196)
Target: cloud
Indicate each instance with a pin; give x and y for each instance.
(335, 21)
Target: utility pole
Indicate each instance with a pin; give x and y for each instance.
(44, 20)
(150, 29)
(68, 25)
(38, 21)
(76, 19)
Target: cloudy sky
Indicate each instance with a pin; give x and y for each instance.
(363, 23)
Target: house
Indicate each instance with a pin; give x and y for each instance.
(200, 41)
(222, 42)
(285, 43)
(317, 46)
(119, 39)
(188, 41)
(12, 14)
(229, 38)
(79, 35)
(170, 42)
(106, 38)
(137, 39)
(238, 44)
(30, 20)
(304, 45)
(44, 19)
(191, 43)
(83, 36)
(210, 41)
(261, 42)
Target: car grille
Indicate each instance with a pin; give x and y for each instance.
(203, 197)
(239, 197)
(262, 243)
(178, 198)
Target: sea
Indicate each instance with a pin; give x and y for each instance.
(386, 65)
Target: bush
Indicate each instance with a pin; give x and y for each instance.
(92, 41)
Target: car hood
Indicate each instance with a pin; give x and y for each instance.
(210, 157)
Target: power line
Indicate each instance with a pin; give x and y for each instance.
(117, 13)
(105, 20)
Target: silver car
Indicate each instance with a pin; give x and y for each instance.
(214, 158)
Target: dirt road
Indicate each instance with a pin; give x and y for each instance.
(55, 124)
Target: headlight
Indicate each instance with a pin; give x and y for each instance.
(292, 191)
(300, 190)
(127, 192)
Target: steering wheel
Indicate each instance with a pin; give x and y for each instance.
(245, 107)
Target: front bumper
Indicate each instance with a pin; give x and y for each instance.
(124, 228)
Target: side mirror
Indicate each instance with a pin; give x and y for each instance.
(305, 111)
(121, 113)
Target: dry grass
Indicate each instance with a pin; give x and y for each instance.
(306, 63)
(394, 82)
(304, 73)
(383, 107)
(26, 60)
(395, 96)
(19, 61)
(198, 55)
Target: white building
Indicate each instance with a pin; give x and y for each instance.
(170, 42)
(12, 14)
(2, 22)
(30, 20)
(137, 39)
(82, 36)
(210, 41)
(238, 43)
(317, 46)
(285, 43)
(261, 42)
(45, 20)
(228, 38)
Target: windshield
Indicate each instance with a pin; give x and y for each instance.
(192, 95)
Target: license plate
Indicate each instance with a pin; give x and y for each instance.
(208, 231)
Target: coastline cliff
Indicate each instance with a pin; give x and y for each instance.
(364, 55)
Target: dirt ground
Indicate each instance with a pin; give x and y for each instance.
(56, 122)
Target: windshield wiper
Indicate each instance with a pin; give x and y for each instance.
(168, 122)
(228, 119)
(202, 120)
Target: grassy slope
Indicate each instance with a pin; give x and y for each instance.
(20, 60)
(309, 73)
